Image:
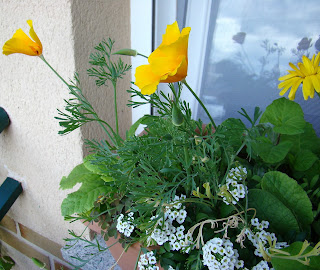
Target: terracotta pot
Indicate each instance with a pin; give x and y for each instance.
(126, 260)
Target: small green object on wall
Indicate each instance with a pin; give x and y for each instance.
(4, 119)
(9, 192)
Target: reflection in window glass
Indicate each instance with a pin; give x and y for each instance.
(251, 46)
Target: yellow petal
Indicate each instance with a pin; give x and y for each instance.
(286, 77)
(294, 88)
(21, 43)
(171, 35)
(168, 63)
(178, 74)
(296, 69)
(307, 88)
(146, 80)
(316, 83)
(317, 60)
(33, 34)
(303, 69)
(318, 78)
(307, 65)
(286, 84)
(171, 62)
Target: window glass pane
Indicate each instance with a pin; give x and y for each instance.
(251, 45)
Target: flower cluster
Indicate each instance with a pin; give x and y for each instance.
(259, 235)
(125, 224)
(148, 261)
(169, 228)
(232, 191)
(262, 265)
(219, 254)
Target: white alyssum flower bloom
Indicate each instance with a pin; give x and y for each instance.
(148, 261)
(262, 265)
(258, 235)
(217, 254)
(234, 190)
(169, 228)
(125, 224)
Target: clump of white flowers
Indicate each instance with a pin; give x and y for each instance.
(125, 224)
(147, 261)
(262, 265)
(233, 190)
(169, 228)
(258, 235)
(219, 254)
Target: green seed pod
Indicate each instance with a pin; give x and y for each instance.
(177, 116)
(128, 52)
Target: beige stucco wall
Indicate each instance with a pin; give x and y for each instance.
(94, 21)
(31, 149)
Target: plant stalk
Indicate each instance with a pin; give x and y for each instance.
(114, 84)
(200, 102)
(68, 85)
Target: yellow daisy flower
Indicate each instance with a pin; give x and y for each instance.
(307, 73)
(168, 63)
(21, 43)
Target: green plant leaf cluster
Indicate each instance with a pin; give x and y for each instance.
(176, 155)
(284, 262)
(6, 263)
(82, 200)
(282, 202)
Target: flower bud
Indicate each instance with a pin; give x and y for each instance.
(205, 159)
(177, 116)
(128, 52)
(197, 139)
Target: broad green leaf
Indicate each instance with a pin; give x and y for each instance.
(304, 160)
(294, 249)
(285, 115)
(107, 178)
(78, 175)
(271, 153)
(271, 209)
(144, 120)
(308, 140)
(90, 162)
(290, 193)
(82, 200)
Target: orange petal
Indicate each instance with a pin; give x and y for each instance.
(178, 74)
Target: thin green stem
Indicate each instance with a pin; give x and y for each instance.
(142, 55)
(94, 114)
(114, 84)
(44, 60)
(200, 102)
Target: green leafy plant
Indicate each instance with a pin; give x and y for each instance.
(6, 263)
(195, 195)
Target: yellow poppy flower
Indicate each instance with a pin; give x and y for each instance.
(307, 73)
(21, 43)
(168, 63)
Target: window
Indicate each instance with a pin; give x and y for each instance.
(239, 49)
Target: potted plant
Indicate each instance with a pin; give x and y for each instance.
(197, 196)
